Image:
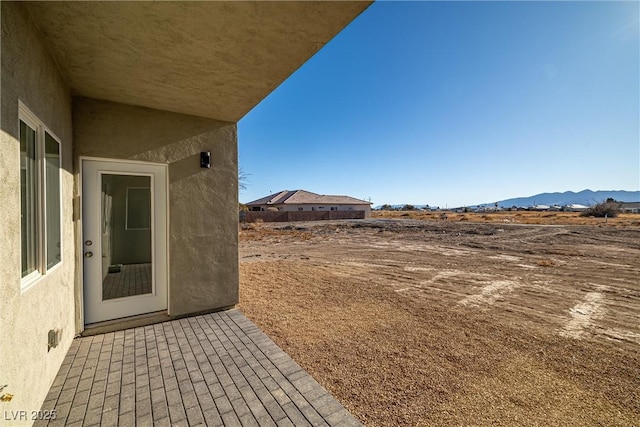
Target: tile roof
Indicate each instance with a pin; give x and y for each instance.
(301, 197)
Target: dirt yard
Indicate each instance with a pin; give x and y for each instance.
(446, 322)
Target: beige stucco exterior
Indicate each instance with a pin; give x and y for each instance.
(26, 367)
(203, 213)
(316, 207)
(154, 82)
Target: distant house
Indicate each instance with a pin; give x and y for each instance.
(574, 208)
(540, 208)
(630, 207)
(301, 200)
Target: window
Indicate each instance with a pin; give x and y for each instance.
(40, 194)
(300, 209)
(138, 208)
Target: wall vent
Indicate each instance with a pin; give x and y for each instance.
(54, 338)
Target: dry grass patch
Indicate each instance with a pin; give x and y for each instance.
(257, 231)
(516, 217)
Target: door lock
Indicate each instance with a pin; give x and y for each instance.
(88, 254)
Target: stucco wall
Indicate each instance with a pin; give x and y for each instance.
(30, 75)
(203, 203)
(316, 208)
(309, 207)
(287, 216)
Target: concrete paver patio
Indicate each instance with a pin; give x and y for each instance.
(214, 369)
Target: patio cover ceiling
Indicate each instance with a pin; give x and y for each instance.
(210, 59)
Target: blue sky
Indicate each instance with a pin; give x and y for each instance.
(457, 103)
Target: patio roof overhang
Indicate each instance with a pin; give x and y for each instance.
(210, 59)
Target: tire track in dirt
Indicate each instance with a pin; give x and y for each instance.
(584, 314)
(490, 293)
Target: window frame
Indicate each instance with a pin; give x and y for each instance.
(42, 223)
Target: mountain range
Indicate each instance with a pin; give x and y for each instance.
(584, 197)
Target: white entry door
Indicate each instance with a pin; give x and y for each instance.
(124, 239)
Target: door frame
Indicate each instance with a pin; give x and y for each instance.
(77, 207)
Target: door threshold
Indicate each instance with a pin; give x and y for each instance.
(125, 323)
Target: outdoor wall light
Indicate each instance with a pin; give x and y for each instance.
(205, 159)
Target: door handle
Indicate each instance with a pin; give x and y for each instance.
(88, 254)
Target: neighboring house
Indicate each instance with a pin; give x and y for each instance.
(107, 111)
(630, 207)
(301, 200)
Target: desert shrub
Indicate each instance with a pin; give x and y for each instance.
(546, 263)
(609, 208)
(256, 225)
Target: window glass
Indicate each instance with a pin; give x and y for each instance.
(52, 199)
(28, 198)
(138, 208)
(40, 199)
